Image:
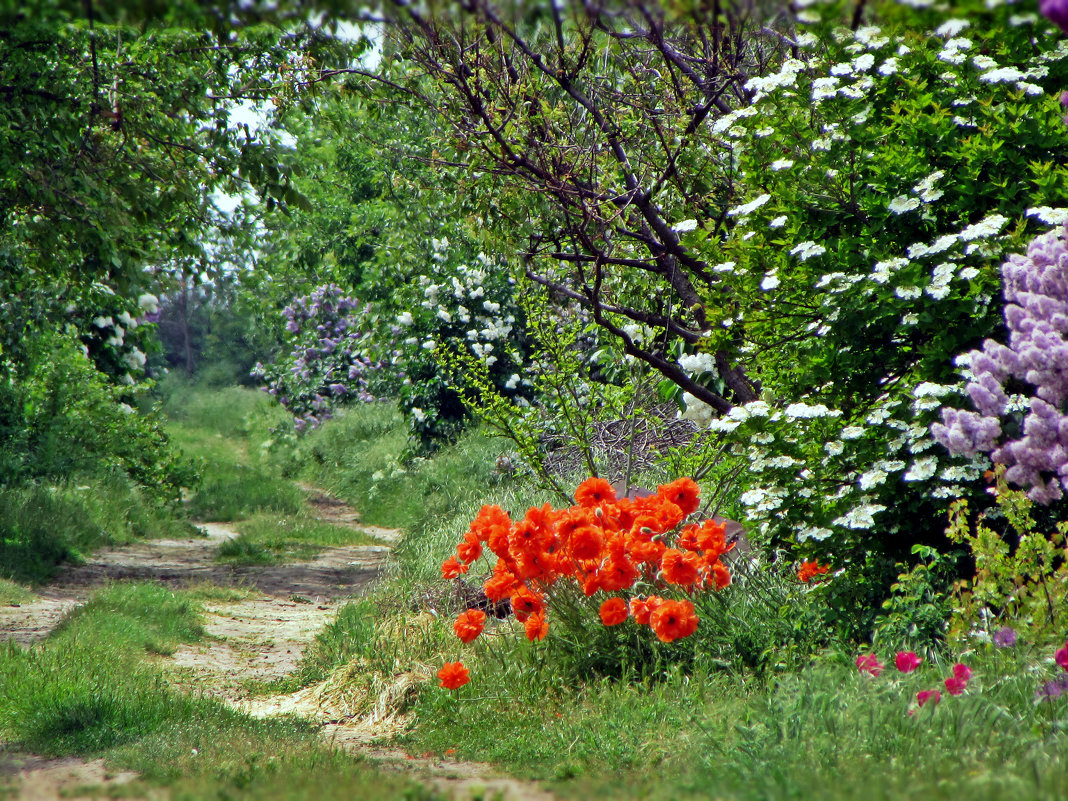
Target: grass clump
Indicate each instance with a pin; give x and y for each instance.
(227, 433)
(273, 539)
(12, 593)
(41, 527)
(362, 455)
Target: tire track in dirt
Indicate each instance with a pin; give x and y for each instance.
(251, 641)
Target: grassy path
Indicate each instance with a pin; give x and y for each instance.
(257, 620)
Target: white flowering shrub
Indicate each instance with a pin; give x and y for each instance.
(454, 301)
(878, 179)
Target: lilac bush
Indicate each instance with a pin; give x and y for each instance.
(1027, 434)
(328, 361)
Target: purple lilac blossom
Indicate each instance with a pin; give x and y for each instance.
(327, 362)
(1005, 637)
(1036, 313)
(1056, 11)
(1053, 689)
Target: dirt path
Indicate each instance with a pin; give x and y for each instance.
(257, 639)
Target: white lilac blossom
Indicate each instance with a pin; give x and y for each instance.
(149, 304)
(806, 250)
(1035, 288)
(750, 207)
(685, 226)
(903, 203)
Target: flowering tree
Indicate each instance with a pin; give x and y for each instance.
(327, 361)
(785, 217)
(1026, 432)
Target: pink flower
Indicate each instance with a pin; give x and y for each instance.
(956, 683)
(869, 664)
(1056, 11)
(955, 686)
(923, 696)
(1061, 656)
(907, 661)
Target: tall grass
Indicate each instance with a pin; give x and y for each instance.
(42, 527)
(228, 433)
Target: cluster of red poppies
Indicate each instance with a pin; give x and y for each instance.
(606, 545)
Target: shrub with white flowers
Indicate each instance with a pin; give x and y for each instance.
(881, 175)
(457, 300)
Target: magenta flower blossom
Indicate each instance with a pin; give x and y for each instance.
(958, 682)
(1056, 11)
(869, 664)
(1052, 689)
(907, 661)
(1061, 656)
(925, 696)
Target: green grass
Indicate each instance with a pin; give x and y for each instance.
(42, 527)
(227, 432)
(13, 593)
(273, 539)
(826, 730)
(89, 690)
(360, 456)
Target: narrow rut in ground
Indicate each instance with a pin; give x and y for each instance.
(257, 639)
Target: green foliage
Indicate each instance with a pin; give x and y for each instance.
(1021, 571)
(61, 418)
(881, 176)
(919, 606)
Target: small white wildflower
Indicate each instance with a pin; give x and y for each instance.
(782, 164)
(149, 304)
(779, 222)
(686, 225)
(834, 448)
(771, 281)
(1002, 75)
(951, 27)
(988, 226)
(725, 267)
(1049, 215)
(864, 63)
(888, 67)
(852, 432)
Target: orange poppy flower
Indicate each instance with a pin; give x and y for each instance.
(586, 543)
(643, 549)
(536, 627)
(640, 611)
(712, 538)
(489, 521)
(470, 549)
(453, 675)
(683, 492)
(687, 539)
(613, 611)
(673, 620)
(719, 575)
(469, 624)
(501, 584)
(809, 571)
(681, 567)
(594, 492)
(526, 603)
(452, 567)
(617, 574)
